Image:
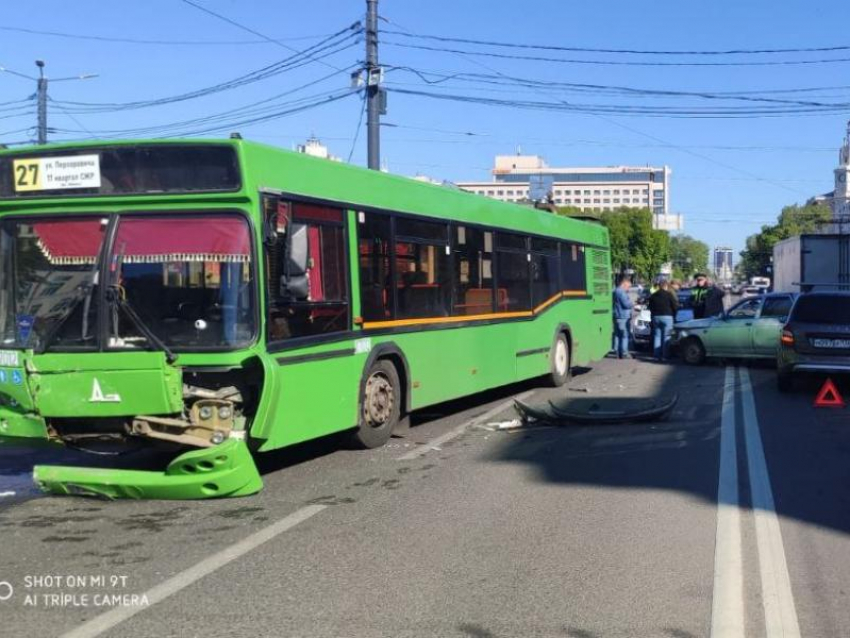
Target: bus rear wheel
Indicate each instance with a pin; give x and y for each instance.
(380, 406)
(560, 362)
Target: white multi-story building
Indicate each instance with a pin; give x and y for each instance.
(314, 147)
(591, 189)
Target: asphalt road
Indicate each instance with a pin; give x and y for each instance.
(462, 530)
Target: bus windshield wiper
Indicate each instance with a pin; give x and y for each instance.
(115, 296)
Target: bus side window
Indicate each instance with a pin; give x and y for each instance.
(308, 277)
(513, 272)
(472, 284)
(545, 278)
(573, 274)
(422, 268)
(373, 246)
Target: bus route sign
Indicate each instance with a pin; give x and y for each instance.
(55, 173)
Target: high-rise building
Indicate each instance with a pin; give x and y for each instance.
(723, 266)
(591, 189)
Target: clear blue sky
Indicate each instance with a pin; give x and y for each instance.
(717, 189)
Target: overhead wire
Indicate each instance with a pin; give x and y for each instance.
(239, 25)
(615, 90)
(144, 41)
(359, 126)
(575, 49)
(638, 131)
(540, 58)
(332, 45)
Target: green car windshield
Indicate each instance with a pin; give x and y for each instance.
(183, 281)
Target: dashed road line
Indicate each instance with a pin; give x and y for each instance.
(100, 624)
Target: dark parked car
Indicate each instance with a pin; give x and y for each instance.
(816, 337)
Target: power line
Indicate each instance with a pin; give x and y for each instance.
(357, 130)
(101, 38)
(336, 43)
(604, 89)
(250, 30)
(71, 116)
(649, 111)
(646, 135)
(540, 58)
(218, 122)
(548, 47)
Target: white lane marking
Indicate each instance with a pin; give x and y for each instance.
(727, 604)
(100, 624)
(780, 613)
(456, 432)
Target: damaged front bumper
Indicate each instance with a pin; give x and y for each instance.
(63, 398)
(224, 470)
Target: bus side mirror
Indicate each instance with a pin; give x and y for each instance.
(294, 283)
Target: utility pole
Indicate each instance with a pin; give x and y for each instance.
(41, 93)
(374, 93)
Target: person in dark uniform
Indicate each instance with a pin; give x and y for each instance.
(699, 296)
(663, 305)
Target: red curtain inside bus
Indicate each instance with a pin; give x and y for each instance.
(70, 242)
(150, 240)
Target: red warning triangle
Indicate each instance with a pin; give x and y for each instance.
(829, 397)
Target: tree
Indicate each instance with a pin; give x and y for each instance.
(635, 244)
(573, 211)
(688, 255)
(793, 220)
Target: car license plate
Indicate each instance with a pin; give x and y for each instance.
(843, 344)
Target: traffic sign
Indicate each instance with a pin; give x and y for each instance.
(829, 397)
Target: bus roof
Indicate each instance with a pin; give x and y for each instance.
(266, 167)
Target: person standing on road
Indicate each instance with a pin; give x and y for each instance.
(714, 300)
(699, 295)
(622, 316)
(663, 306)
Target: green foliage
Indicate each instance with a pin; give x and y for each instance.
(688, 255)
(793, 220)
(573, 211)
(634, 243)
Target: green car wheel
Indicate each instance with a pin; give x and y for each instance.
(693, 352)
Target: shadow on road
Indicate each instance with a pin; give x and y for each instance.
(806, 448)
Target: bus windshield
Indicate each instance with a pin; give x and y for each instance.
(180, 281)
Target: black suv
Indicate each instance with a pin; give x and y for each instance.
(816, 337)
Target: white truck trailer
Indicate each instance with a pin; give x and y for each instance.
(806, 260)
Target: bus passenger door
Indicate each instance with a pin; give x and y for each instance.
(308, 321)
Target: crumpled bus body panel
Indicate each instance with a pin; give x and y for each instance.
(38, 389)
(223, 470)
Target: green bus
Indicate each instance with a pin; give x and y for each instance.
(220, 298)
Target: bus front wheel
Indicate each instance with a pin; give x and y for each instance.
(560, 362)
(380, 406)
